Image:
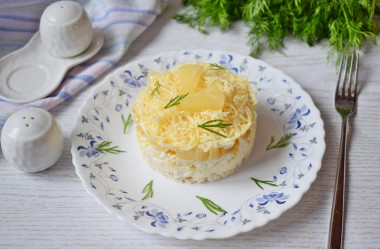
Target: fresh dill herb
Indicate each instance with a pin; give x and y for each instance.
(257, 181)
(214, 123)
(345, 24)
(113, 150)
(157, 88)
(126, 123)
(175, 101)
(149, 190)
(283, 142)
(215, 66)
(211, 206)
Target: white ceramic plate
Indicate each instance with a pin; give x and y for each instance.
(32, 73)
(117, 180)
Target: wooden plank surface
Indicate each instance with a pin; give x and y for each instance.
(51, 209)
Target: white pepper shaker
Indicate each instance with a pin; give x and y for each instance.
(32, 140)
(65, 29)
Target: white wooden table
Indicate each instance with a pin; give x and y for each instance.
(51, 209)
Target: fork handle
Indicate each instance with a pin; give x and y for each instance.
(337, 214)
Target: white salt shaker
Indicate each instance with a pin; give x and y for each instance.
(65, 29)
(32, 140)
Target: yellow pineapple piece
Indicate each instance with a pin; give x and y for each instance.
(189, 75)
(210, 98)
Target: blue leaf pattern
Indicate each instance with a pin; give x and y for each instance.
(160, 219)
(279, 198)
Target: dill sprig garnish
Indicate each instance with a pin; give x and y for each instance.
(102, 148)
(149, 189)
(157, 88)
(257, 181)
(283, 142)
(215, 66)
(218, 123)
(211, 206)
(345, 24)
(175, 101)
(126, 123)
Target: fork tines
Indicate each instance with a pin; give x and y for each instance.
(348, 65)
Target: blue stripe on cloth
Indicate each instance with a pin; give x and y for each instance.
(149, 12)
(12, 45)
(89, 63)
(116, 44)
(64, 95)
(85, 78)
(3, 118)
(20, 18)
(124, 21)
(18, 30)
(24, 3)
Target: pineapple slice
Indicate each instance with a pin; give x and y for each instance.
(210, 98)
(189, 75)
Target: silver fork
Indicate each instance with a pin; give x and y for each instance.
(345, 104)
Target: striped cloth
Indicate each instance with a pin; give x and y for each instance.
(121, 21)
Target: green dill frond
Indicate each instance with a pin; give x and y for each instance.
(345, 24)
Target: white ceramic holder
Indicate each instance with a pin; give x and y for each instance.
(36, 70)
(32, 140)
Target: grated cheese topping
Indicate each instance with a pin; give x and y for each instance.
(176, 128)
